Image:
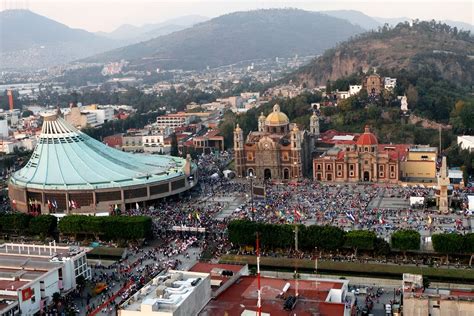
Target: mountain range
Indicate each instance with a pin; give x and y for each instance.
(237, 37)
(134, 34)
(424, 47)
(32, 41)
(29, 40)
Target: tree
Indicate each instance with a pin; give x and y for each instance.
(467, 117)
(406, 239)
(328, 87)
(412, 96)
(426, 282)
(447, 244)
(174, 145)
(26, 113)
(43, 225)
(381, 247)
(360, 239)
(468, 246)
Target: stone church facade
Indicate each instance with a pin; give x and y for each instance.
(277, 151)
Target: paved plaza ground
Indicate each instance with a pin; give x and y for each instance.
(382, 209)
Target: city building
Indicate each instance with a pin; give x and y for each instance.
(177, 293)
(354, 89)
(209, 142)
(456, 178)
(346, 157)
(466, 142)
(310, 297)
(418, 164)
(3, 128)
(103, 113)
(30, 275)
(390, 83)
(173, 120)
(420, 301)
(224, 289)
(278, 150)
(70, 172)
(80, 119)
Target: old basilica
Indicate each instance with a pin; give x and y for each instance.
(278, 150)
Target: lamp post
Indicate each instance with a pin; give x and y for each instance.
(250, 177)
(296, 170)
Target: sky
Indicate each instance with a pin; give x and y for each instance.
(107, 15)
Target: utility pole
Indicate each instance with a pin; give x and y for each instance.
(439, 140)
(296, 238)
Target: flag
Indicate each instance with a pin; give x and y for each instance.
(297, 214)
(429, 220)
(198, 217)
(190, 217)
(381, 221)
(137, 206)
(55, 204)
(350, 217)
(49, 205)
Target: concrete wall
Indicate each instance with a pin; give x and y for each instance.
(196, 301)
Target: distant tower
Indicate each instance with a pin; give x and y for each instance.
(295, 137)
(443, 182)
(314, 124)
(10, 99)
(239, 150)
(261, 122)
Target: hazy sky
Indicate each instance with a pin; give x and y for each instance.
(106, 15)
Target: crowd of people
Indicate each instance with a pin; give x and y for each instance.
(349, 207)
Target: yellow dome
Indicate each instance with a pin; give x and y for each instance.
(277, 118)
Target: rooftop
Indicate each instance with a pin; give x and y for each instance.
(314, 297)
(165, 293)
(66, 158)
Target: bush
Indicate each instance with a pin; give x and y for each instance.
(108, 227)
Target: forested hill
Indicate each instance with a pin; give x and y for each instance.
(237, 37)
(431, 47)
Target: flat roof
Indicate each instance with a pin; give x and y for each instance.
(175, 296)
(242, 295)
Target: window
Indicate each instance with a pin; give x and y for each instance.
(372, 149)
(366, 162)
(381, 168)
(424, 157)
(339, 174)
(366, 149)
(351, 167)
(392, 168)
(328, 167)
(318, 166)
(339, 167)
(381, 174)
(351, 174)
(249, 156)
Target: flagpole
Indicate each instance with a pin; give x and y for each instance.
(259, 299)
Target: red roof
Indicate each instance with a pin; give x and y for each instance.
(367, 139)
(243, 295)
